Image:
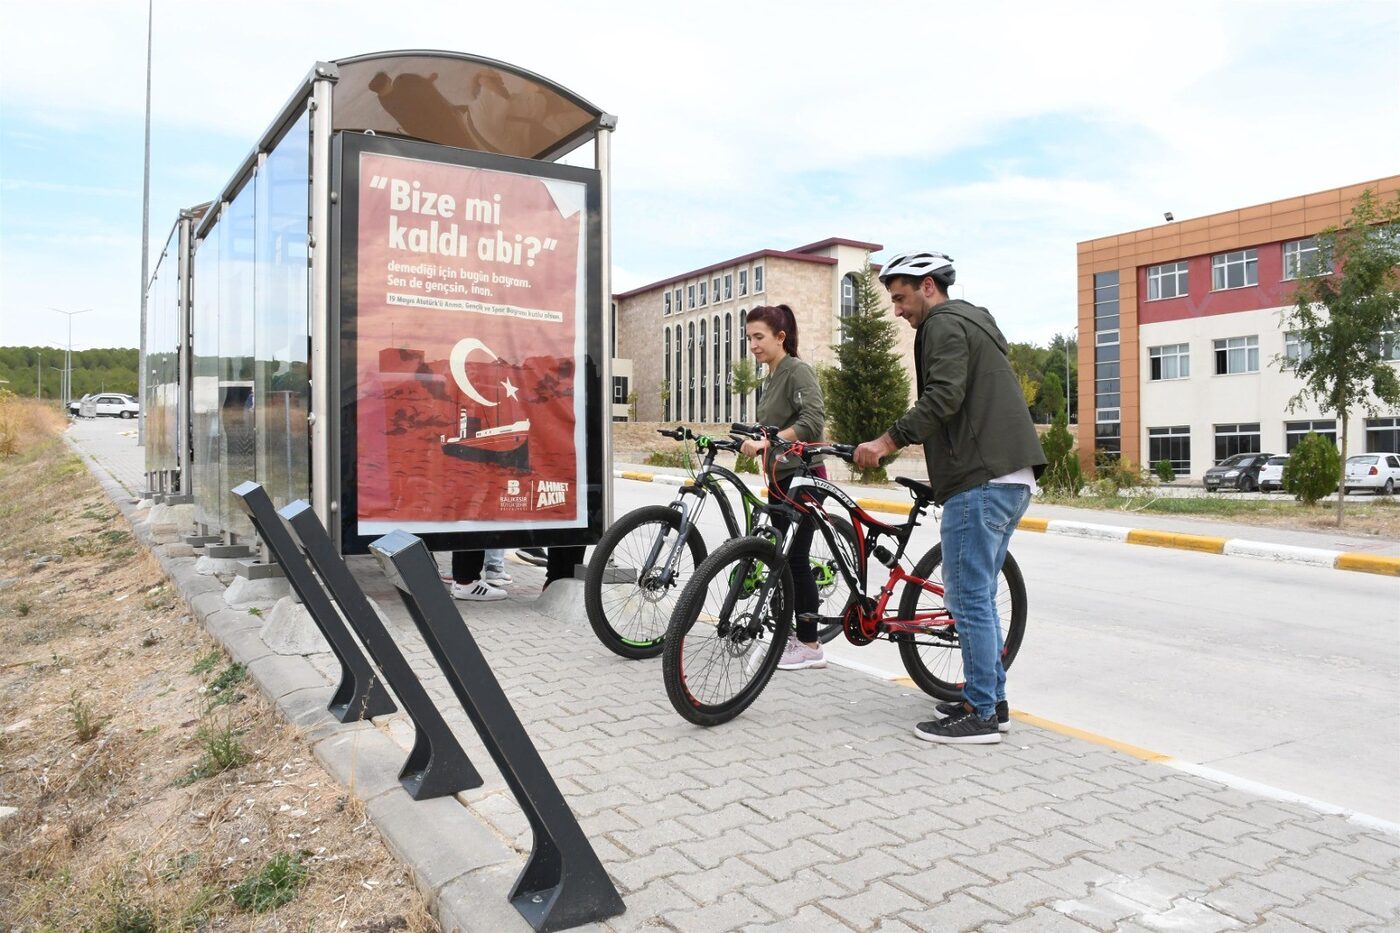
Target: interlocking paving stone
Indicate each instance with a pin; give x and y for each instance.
(816, 810)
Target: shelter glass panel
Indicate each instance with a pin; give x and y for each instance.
(281, 376)
(236, 353)
(204, 376)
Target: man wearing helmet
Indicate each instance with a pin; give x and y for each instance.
(983, 456)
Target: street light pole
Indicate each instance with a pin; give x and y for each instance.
(68, 357)
(145, 238)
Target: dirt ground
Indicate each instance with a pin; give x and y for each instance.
(152, 787)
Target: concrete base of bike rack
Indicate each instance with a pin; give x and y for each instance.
(562, 600)
(215, 566)
(243, 592)
(289, 628)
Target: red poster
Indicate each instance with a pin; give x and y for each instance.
(471, 309)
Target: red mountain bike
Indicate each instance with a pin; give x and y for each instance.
(732, 620)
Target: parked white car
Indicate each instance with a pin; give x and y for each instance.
(111, 404)
(1271, 476)
(1379, 472)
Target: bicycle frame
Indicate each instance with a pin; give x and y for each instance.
(807, 495)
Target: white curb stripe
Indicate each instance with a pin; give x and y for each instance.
(1087, 530)
(1287, 553)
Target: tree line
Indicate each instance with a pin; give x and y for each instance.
(96, 370)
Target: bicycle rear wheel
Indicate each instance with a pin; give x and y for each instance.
(628, 603)
(725, 638)
(934, 661)
(831, 585)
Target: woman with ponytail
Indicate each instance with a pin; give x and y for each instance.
(792, 399)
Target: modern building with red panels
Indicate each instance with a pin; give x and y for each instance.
(1181, 337)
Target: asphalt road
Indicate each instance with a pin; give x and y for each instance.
(1280, 674)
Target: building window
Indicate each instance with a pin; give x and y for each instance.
(666, 379)
(703, 302)
(1108, 440)
(677, 302)
(679, 384)
(690, 372)
(1105, 301)
(1234, 270)
(1171, 361)
(715, 380)
(1231, 439)
(1387, 345)
(714, 288)
(1302, 258)
(1166, 281)
(728, 285)
(1295, 348)
(667, 308)
(728, 367)
(743, 282)
(758, 278)
(1295, 431)
(703, 385)
(848, 295)
(1382, 435)
(619, 390)
(1236, 355)
(690, 296)
(1172, 445)
(1106, 338)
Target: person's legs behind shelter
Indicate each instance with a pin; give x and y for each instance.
(467, 582)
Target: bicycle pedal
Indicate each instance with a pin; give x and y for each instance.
(811, 617)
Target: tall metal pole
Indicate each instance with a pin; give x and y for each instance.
(39, 377)
(68, 357)
(602, 161)
(145, 237)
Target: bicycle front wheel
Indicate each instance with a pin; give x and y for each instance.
(934, 660)
(627, 592)
(726, 636)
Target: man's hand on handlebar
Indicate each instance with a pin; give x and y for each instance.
(867, 456)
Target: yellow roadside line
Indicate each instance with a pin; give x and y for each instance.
(1369, 563)
(1176, 539)
(1059, 728)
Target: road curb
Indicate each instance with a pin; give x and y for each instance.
(1150, 537)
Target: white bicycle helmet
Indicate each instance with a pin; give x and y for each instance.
(918, 265)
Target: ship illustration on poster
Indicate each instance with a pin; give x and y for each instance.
(506, 445)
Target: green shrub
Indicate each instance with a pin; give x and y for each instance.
(1114, 474)
(1313, 469)
(1164, 470)
(745, 464)
(1062, 475)
(676, 457)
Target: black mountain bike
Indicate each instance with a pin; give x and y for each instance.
(644, 559)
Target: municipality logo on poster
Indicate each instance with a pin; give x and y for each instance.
(551, 494)
(513, 498)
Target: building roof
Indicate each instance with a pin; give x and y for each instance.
(800, 254)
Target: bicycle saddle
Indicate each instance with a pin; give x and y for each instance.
(922, 490)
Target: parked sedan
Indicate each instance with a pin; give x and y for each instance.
(1238, 472)
(1379, 473)
(1271, 476)
(117, 405)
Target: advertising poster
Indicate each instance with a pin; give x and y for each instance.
(471, 308)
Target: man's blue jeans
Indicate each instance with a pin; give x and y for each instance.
(976, 530)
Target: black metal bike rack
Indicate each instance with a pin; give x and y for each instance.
(437, 766)
(563, 884)
(360, 695)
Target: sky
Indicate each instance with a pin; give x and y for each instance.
(999, 133)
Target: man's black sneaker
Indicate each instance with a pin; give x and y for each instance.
(963, 729)
(1003, 713)
(532, 555)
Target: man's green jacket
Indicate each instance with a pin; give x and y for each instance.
(970, 414)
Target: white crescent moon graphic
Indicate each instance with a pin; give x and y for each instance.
(458, 361)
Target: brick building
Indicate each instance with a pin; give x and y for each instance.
(679, 338)
(1186, 334)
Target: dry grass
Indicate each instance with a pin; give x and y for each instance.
(140, 805)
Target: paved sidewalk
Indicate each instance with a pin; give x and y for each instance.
(818, 810)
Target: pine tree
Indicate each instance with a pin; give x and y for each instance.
(869, 387)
